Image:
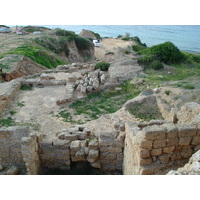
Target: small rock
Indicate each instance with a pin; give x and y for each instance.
(13, 171)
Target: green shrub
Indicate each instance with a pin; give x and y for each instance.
(189, 87)
(138, 41)
(61, 32)
(146, 60)
(167, 92)
(137, 48)
(167, 53)
(82, 43)
(156, 65)
(102, 66)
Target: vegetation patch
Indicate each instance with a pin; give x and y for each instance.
(107, 101)
(146, 111)
(103, 66)
(7, 122)
(26, 87)
(37, 54)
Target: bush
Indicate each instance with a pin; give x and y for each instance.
(137, 48)
(146, 60)
(156, 65)
(167, 53)
(82, 43)
(61, 32)
(102, 66)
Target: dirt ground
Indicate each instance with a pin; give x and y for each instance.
(112, 47)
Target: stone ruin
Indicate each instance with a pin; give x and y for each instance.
(154, 147)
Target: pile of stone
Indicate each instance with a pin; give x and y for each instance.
(78, 87)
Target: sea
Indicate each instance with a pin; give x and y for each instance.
(185, 37)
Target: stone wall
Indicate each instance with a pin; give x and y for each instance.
(78, 144)
(7, 93)
(155, 149)
(191, 168)
(29, 150)
(10, 146)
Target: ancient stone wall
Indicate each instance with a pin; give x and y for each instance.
(7, 93)
(29, 150)
(10, 146)
(156, 149)
(78, 144)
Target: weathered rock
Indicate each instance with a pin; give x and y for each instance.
(75, 145)
(13, 171)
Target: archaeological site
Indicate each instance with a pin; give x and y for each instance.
(62, 114)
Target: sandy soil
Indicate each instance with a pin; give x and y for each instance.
(115, 46)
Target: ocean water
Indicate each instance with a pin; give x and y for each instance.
(185, 37)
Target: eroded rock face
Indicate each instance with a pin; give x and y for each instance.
(24, 67)
(87, 34)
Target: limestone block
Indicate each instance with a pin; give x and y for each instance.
(103, 78)
(172, 130)
(144, 153)
(146, 144)
(186, 153)
(115, 150)
(104, 149)
(156, 152)
(164, 158)
(47, 77)
(62, 154)
(70, 137)
(82, 135)
(78, 87)
(96, 164)
(13, 171)
(75, 145)
(146, 161)
(94, 144)
(80, 155)
(71, 78)
(89, 88)
(172, 142)
(168, 150)
(186, 130)
(107, 155)
(118, 143)
(176, 156)
(160, 143)
(93, 155)
(61, 144)
(155, 132)
(185, 140)
(83, 89)
(108, 167)
(95, 84)
(196, 140)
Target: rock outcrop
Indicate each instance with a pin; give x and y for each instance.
(87, 34)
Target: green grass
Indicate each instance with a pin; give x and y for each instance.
(26, 87)
(37, 54)
(7, 122)
(180, 72)
(108, 101)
